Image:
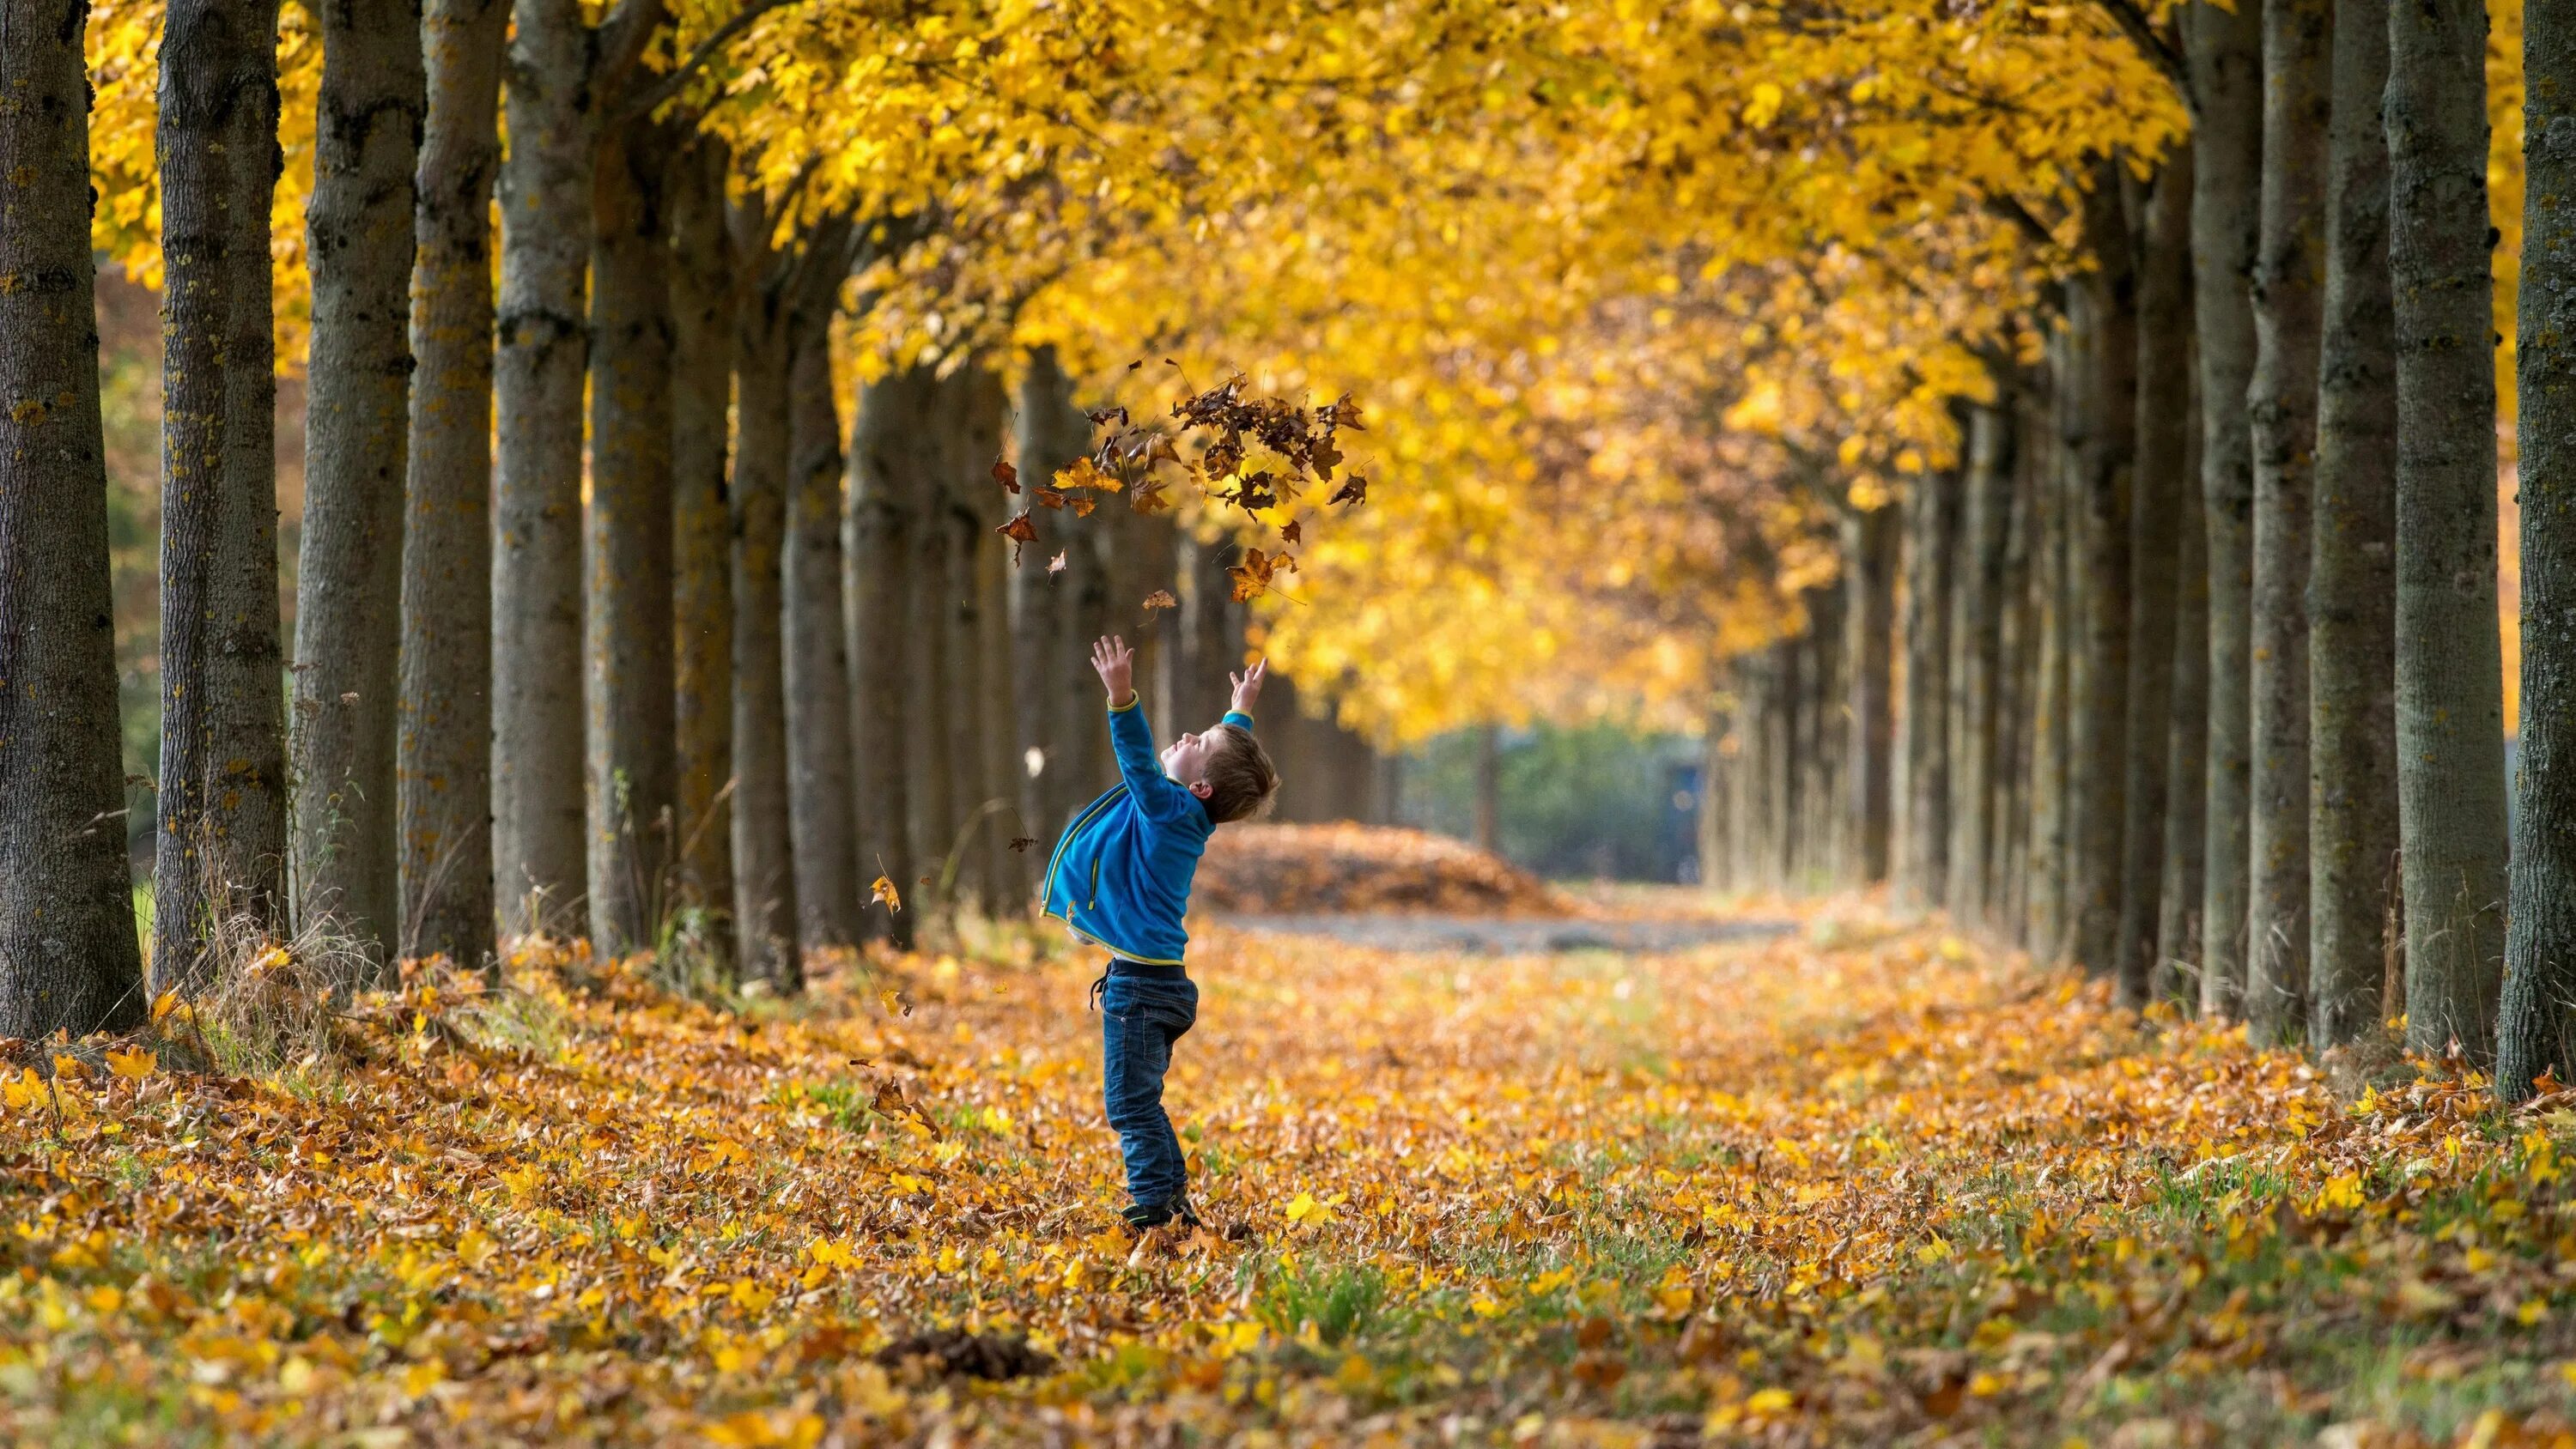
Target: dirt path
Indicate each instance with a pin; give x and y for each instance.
(1504, 936)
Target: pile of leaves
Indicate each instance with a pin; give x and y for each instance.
(1860, 1185)
(1303, 869)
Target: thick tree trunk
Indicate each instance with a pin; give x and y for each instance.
(2177, 970)
(764, 857)
(539, 833)
(220, 856)
(931, 726)
(2016, 677)
(2107, 457)
(1820, 741)
(2352, 582)
(2225, 49)
(1923, 834)
(1869, 542)
(997, 707)
(443, 759)
(1051, 433)
(1750, 673)
(2164, 420)
(1976, 648)
(702, 302)
(68, 956)
(2450, 671)
(626, 553)
(820, 756)
(2045, 864)
(960, 486)
(348, 599)
(2535, 1030)
(2289, 287)
(884, 528)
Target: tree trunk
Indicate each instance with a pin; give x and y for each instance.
(68, 957)
(539, 833)
(2352, 581)
(443, 788)
(2225, 49)
(1819, 740)
(1744, 784)
(1976, 648)
(220, 855)
(348, 598)
(764, 857)
(1207, 639)
(1487, 828)
(1923, 836)
(997, 706)
(2450, 671)
(2164, 420)
(820, 757)
(931, 725)
(883, 528)
(2534, 1029)
(1085, 747)
(2046, 852)
(1051, 433)
(702, 301)
(961, 484)
(2177, 970)
(1869, 542)
(2107, 457)
(2017, 691)
(626, 554)
(2289, 277)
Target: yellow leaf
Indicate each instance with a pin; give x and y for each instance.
(165, 1003)
(133, 1062)
(884, 890)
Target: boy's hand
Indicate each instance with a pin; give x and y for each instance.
(1247, 685)
(1117, 665)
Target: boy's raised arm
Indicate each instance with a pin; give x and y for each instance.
(1131, 739)
(1247, 692)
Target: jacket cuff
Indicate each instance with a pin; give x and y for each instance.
(1134, 698)
(1237, 718)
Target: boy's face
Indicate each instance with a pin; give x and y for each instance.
(1186, 760)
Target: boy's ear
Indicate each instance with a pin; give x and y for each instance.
(1202, 789)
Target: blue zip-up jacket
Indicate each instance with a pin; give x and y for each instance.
(1120, 875)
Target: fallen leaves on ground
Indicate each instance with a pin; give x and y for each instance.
(1853, 1184)
(1292, 869)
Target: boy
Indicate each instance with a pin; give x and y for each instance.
(1120, 878)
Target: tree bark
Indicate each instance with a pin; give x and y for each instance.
(702, 300)
(764, 858)
(626, 554)
(220, 856)
(1977, 649)
(2289, 278)
(1006, 871)
(1820, 756)
(1869, 542)
(2177, 969)
(443, 766)
(884, 526)
(929, 704)
(2534, 1027)
(539, 832)
(2225, 49)
(1923, 835)
(2352, 580)
(2164, 419)
(68, 957)
(2046, 852)
(348, 602)
(2450, 671)
(1051, 433)
(2107, 456)
(820, 758)
(2017, 678)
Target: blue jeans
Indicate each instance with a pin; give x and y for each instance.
(1140, 1017)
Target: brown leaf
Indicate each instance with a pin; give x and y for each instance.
(1023, 842)
(1292, 532)
(1354, 489)
(1161, 599)
(1020, 530)
(1006, 475)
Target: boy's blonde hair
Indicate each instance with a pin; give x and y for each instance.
(1241, 780)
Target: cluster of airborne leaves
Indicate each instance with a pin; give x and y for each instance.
(1846, 1184)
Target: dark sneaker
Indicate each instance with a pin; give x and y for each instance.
(1143, 1219)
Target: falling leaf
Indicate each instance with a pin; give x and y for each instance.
(884, 891)
(1056, 564)
(1023, 842)
(1021, 531)
(1161, 599)
(1354, 490)
(1006, 475)
(1292, 532)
